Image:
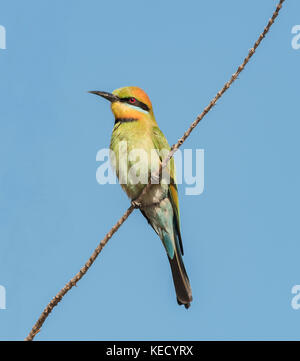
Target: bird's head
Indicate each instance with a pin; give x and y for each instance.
(128, 102)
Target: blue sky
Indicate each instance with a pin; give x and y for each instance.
(241, 235)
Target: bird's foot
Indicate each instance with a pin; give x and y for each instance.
(136, 204)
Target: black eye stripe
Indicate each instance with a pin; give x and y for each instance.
(137, 103)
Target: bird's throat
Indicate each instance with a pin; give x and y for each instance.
(125, 120)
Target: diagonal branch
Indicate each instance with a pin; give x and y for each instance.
(36, 328)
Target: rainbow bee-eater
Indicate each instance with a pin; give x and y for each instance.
(135, 126)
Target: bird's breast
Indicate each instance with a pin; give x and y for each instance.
(134, 160)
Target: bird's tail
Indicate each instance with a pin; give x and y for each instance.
(180, 278)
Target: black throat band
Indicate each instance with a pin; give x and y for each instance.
(125, 120)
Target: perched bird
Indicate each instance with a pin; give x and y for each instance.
(136, 127)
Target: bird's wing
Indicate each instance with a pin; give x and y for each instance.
(160, 142)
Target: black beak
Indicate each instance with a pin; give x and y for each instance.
(111, 97)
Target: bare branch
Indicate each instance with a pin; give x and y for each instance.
(36, 328)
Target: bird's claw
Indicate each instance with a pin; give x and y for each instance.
(136, 204)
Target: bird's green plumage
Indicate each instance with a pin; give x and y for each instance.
(137, 135)
(160, 142)
(136, 129)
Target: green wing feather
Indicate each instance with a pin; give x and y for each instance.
(160, 142)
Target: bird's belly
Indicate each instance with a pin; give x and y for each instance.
(155, 194)
(134, 164)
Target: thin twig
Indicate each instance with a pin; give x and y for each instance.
(36, 328)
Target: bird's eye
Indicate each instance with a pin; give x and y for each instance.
(132, 100)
